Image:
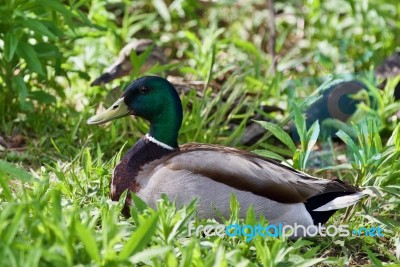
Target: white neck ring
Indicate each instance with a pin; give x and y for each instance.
(155, 141)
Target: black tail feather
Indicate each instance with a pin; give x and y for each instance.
(320, 200)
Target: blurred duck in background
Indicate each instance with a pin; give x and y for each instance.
(390, 68)
(123, 65)
(339, 102)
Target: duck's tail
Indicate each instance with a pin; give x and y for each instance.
(344, 201)
(322, 207)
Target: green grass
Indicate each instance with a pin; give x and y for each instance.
(55, 208)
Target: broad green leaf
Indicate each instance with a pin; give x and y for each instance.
(350, 143)
(395, 138)
(139, 60)
(299, 122)
(251, 216)
(268, 154)
(312, 136)
(16, 172)
(263, 254)
(162, 9)
(338, 125)
(89, 242)
(87, 162)
(372, 257)
(247, 46)
(38, 27)
(12, 228)
(172, 259)
(140, 238)
(187, 256)
(48, 50)
(184, 220)
(279, 133)
(26, 51)
(142, 21)
(42, 97)
(193, 38)
(34, 255)
(6, 193)
(10, 46)
(57, 6)
(148, 254)
(22, 93)
(234, 207)
(140, 205)
(57, 207)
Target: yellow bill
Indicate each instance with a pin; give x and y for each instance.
(117, 110)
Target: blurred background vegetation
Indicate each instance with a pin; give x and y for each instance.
(241, 51)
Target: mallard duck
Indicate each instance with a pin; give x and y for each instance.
(157, 165)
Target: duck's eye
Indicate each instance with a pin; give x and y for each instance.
(115, 107)
(144, 90)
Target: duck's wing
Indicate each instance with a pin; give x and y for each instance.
(250, 172)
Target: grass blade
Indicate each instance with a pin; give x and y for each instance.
(140, 238)
(279, 133)
(16, 172)
(88, 241)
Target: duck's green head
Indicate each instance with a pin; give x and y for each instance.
(154, 99)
